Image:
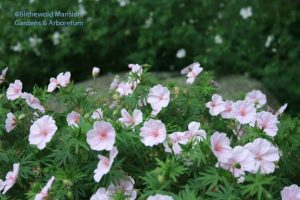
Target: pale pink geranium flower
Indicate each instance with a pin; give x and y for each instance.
(101, 194)
(73, 119)
(62, 80)
(124, 185)
(240, 162)
(10, 179)
(244, 112)
(176, 139)
(105, 164)
(98, 114)
(44, 192)
(216, 105)
(158, 98)
(220, 146)
(42, 131)
(136, 68)
(192, 72)
(3, 74)
(131, 120)
(256, 97)
(228, 112)
(95, 71)
(115, 83)
(153, 132)
(194, 131)
(267, 122)
(281, 110)
(102, 136)
(32, 101)
(124, 89)
(10, 122)
(160, 197)
(14, 90)
(291, 192)
(265, 155)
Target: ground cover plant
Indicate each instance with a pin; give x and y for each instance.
(144, 139)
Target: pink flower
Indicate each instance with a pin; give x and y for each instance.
(14, 90)
(105, 164)
(176, 139)
(220, 146)
(265, 155)
(42, 131)
(62, 80)
(244, 112)
(101, 194)
(98, 114)
(115, 83)
(10, 122)
(192, 72)
(153, 132)
(256, 97)
(102, 136)
(128, 120)
(195, 131)
(281, 110)
(158, 98)
(44, 192)
(124, 89)
(52, 85)
(228, 112)
(216, 106)
(73, 119)
(240, 162)
(291, 192)
(3, 74)
(10, 179)
(33, 102)
(267, 122)
(136, 68)
(160, 197)
(95, 71)
(124, 185)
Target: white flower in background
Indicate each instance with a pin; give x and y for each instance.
(31, 1)
(3, 74)
(218, 39)
(192, 71)
(17, 47)
(123, 3)
(181, 53)
(34, 41)
(82, 10)
(56, 38)
(149, 21)
(269, 40)
(95, 71)
(246, 12)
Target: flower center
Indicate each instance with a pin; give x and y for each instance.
(155, 133)
(102, 135)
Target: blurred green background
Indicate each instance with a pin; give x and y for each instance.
(259, 39)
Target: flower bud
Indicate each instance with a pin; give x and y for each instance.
(67, 183)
